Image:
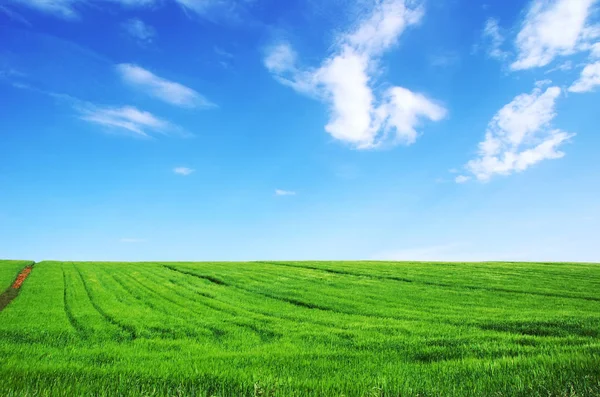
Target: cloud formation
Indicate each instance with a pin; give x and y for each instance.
(595, 50)
(551, 29)
(344, 81)
(68, 8)
(203, 7)
(280, 192)
(494, 39)
(519, 136)
(185, 171)
(139, 30)
(157, 87)
(588, 80)
(280, 58)
(126, 119)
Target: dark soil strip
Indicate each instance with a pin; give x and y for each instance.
(11, 292)
(438, 284)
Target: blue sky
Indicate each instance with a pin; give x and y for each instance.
(263, 129)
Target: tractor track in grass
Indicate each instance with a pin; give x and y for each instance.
(309, 305)
(11, 292)
(214, 280)
(298, 303)
(127, 329)
(68, 311)
(435, 283)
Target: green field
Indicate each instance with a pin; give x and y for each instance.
(8, 272)
(302, 329)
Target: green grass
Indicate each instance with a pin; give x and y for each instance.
(9, 271)
(303, 329)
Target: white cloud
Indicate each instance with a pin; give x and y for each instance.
(280, 58)
(165, 90)
(185, 171)
(381, 30)
(563, 67)
(126, 118)
(494, 39)
(520, 135)
(589, 79)
(60, 8)
(462, 179)
(211, 8)
(550, 29)
(543, 83)
(139, 30)
(199, 6)
(405, 109)
(595, 50)
(344, 81)
(67, 8)
(279, 192)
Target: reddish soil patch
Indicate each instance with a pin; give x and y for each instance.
(21, 277)
(11, 292)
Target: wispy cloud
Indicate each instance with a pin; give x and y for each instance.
(563, 67)
(225, 58)
(588, 80)
(595, 50)
(139, 30)
(223, 53)
(494, 39)
(344, 80)
(228, 10)
(15, 16)
(67, 9)
(163, 89)
(125, 119)
(185, 171)
(444, 60)
(280, 192)
(60, 8)
(551, 29)
(280, 58)
(543, 83)
(519, 136)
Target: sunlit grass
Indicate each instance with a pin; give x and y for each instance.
(303, 328)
